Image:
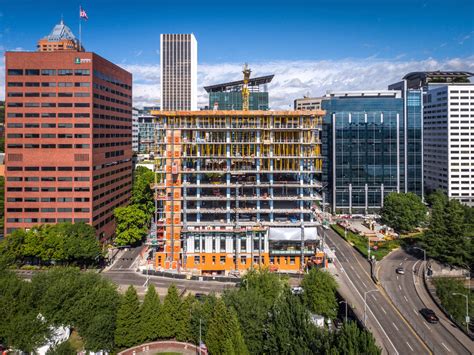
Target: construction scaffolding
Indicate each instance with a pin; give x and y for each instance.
(227, 178)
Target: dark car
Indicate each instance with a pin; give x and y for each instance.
(429, 315)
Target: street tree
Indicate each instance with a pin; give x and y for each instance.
(319, 294)
(142, 194)
(403, 211)
(128, 320)
(169, 310)
(131, 225)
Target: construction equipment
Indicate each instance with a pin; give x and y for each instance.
(245, 88)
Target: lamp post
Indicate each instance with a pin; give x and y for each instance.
(467, 308)
(365, 304)
(346, 309)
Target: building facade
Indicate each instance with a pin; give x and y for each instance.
(238, 189)
(307, 103)
(372, 147)
(68, 139)
(448, 140)
(228, 96)
(178, 78)
(135, 130)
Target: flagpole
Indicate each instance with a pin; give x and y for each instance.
(80, 29)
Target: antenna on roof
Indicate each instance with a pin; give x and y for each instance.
(62, 19)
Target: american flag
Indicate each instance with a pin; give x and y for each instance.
(83, 14)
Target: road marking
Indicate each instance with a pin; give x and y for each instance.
(400, 287)
(426, 325)
(395, 326)
(352, 267)
(413, 274)
(406, 259)
(409, 346)
(363, 283)
(401, 263)
(373, 296)
(397, 277)
(406, 299)
(383, 310)
(358, 276)
(373, 315)
(416, 312)
(445, 347)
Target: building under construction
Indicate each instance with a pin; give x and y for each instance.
(237, 189)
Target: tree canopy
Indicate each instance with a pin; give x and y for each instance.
(127, 331)
(62, 243)
(449, 237)
(403, 211)
(319, 294)
(131, 225)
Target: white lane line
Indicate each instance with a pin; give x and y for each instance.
(383, 310)
(395, 326)
(414, 310)
(363, 283)
(406, 299)
(352, 267)
(409, 346)
(426, 325)
(397, 277)
(400, 287)
(413, 273)
(445, 347)
(373, 315)
(373, 296)
(401, 263)
(405, 259)
(358, 276)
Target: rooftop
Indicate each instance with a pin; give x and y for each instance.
(60, 32)
(437, 74)
(235, 84)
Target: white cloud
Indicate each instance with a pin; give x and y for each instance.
(293, 79)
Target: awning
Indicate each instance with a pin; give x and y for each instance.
(292, 234)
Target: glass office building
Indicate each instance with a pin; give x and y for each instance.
(372, 146)
(233, 100)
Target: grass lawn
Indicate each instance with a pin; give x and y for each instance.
(360, 243)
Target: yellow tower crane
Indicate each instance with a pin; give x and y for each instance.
(245, 88)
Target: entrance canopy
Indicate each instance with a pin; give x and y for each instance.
(292, 234)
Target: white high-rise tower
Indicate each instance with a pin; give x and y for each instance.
(178, 58)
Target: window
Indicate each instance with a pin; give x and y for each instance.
(48, 85)
(81, 115)
(82, 72)
(64, 125)
(32, 72)
(64, 84)
(63, 72)
(82, 94)
(14, 84)
(15, 94)
(48, 94)
(222, 259)
(82, 84)
(15, 71)
(15, 104)
(32, 94)
(65, 104)
(81, 104)
(48, 72)
(65, 94)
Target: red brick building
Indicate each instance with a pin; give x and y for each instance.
(68, 124)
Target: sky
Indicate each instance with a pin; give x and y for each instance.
(311, 46)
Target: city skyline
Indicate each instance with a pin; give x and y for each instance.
(303, 63)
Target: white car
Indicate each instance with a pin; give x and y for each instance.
(399, 270)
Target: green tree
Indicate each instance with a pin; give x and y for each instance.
(353, 341)
(403, 211)
(64, 348)
(142, 194)
(11, 248)
(183, 320)
(320, 293)
(224, 335)
(169, 310)
(150, 315)
(201, 315)
(128, 320)
(131, 225)
(257, 294)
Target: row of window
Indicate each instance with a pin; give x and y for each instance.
(109, 117)
(48, 168)
(49, 94)
(48, 178)
(47, 135)
(48, 146)
(48, 189)
(111, 80)
(111, 99)
(49, 84)
(48, 125)
(43, 220)
(48, 104)
(48, 210)
(48, 115)
(111, 144)
(48, 199)
(113, 108)
(49, 72)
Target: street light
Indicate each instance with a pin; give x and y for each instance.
(346, 308)
(365, 304)
(467, 308)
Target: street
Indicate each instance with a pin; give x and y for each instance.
(409, 295)
(391, 331)
(126, 258)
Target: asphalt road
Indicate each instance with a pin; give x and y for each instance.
(388, 326)
(125, 259)
(404, 294)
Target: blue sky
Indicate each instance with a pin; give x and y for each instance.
(261, 32)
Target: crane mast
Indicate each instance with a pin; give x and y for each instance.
(245, 88)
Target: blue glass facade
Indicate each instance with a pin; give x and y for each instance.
(232, 100)
(366, 142)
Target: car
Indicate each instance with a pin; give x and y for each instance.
(400, 270)
(298, 290)
(200, 296)
(429, 315)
